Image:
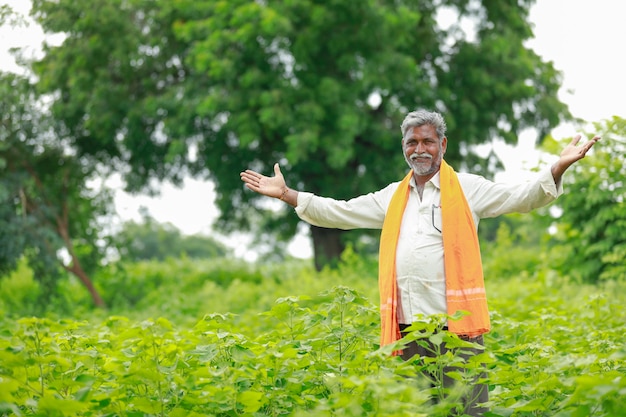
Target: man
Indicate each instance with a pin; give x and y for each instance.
(429, 259)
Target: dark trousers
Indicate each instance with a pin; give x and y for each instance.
(479, 393)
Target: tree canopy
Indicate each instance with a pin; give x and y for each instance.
(164, 89)
(151, 240)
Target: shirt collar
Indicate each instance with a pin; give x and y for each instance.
(435, 180)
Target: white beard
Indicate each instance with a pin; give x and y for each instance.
(423, 168)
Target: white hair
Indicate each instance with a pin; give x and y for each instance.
(424, 117)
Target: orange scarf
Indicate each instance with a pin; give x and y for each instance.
(465, 287)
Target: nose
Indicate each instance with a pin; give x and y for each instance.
(421, 148)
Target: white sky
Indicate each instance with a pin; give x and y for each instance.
(585, 39)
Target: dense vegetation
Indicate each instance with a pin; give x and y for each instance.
(148, 322)
(199, 338)
(185, 336)
(157, 91)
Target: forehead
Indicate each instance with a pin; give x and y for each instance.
(421, 132)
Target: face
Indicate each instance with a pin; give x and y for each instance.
(423, 150)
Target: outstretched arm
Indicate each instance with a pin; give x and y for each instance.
(570, 154)
(270, 186)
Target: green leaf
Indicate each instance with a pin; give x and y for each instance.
(251, 400)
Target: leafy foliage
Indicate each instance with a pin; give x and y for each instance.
(313, 351)
(141, 285)
(47, 206)
(116, 76)
(591, 242)
(550, 337)
(162, 89)
(150, 239)
(284, 344)
(516, 244)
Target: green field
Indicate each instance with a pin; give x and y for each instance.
(221, 338)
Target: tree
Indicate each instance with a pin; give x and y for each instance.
(212, 88)
(150, 239)
(591, 238)
(115, 80)
(46, 206)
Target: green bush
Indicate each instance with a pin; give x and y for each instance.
(300, 342)
(19, 292)
(317, 355)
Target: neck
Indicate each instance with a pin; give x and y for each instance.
(421, 180)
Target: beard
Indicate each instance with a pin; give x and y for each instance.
(424, 163)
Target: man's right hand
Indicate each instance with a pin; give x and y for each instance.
(270, 186)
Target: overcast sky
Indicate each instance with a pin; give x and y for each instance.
(585, 40)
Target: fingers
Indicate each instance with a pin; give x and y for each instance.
(252, 180)
(588, 144)
(575, 139)
(250, 176)
(581, 151)
(259, 182)
(253, 177)
(251, 173)
(592, 141)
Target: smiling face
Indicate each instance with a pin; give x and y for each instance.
(423, 151)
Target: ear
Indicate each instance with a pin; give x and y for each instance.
(444, 145)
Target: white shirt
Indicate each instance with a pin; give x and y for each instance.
(419, 256)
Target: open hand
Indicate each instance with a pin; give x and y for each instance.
(572, 153)
(270, 186)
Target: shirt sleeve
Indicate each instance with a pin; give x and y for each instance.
(492, 199)
(363, 212)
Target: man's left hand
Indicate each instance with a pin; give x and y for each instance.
(570, 154)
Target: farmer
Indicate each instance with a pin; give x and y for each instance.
(429, 261)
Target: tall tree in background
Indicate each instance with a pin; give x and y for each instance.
(46, 207)
(165, 89)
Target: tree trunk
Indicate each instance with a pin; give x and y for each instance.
(75, 267)
(327, 246)
(80, 273)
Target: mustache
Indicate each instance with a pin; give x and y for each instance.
(414, 156)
